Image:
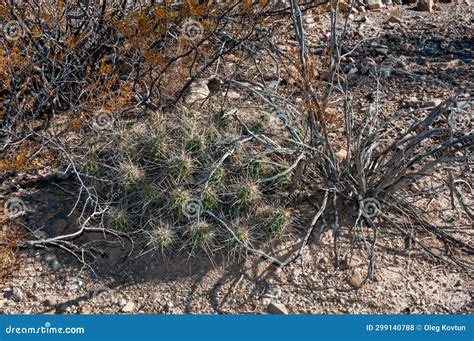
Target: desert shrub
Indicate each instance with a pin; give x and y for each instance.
(190, 126)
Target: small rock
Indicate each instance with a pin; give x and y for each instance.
(462, 105)
(17, 295)
(231, 58)
(326, 237)
(356, 279)
(63, 308)
(122, 302)
(381, 50)
(394, 26)
(128, 308)
(308, 20)
(365, 19)
(198, 91)
(156, 298)
(374, 4)
(433, 103)
(231, 94)
(86, 310)
(412, 102)
(377, 278)
(394, 19)
(50, 301)
(277, 308)
(341, 155)
(353, 71)
(425, 5)
(76, 285)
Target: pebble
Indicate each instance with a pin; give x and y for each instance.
(433, 103)
(76, 285)
(86, 310)
(341, 155)
(382, 50)
(50, 301)
(129, 307)
(374, 4)
(63, 307)
(17, 295)
(425, 5)
(356, 279)
(412, 102)
(394, 19)
(414, 187)
(197, 91)
(377, 278)
(277, 308)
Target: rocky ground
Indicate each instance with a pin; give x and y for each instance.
(429, 56)
(404, 283)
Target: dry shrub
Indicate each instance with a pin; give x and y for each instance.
(212, 176)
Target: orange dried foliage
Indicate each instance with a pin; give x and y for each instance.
(8, 250)
(21, 159)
